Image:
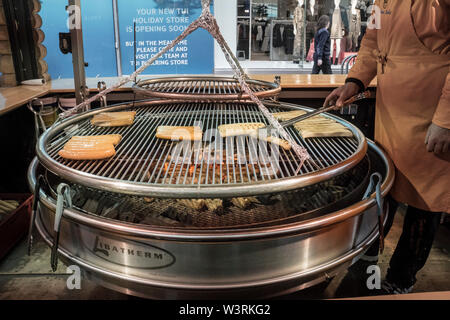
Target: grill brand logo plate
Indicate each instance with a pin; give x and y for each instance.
(135, 255)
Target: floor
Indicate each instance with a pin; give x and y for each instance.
(24, 277)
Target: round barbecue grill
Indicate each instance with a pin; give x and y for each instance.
(147, 166)
(204, 88)
(129, 229)
(152, 261)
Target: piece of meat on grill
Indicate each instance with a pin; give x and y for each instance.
(113, 119)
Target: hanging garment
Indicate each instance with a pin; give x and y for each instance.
(259, 33)
(346, 46)
(310, 32)
(310, 56)
(277, 40)
(288, 39)
(265, 47)
(345, 8)
(243, 39)
(336, 27)
(410, 55)
(355, 29)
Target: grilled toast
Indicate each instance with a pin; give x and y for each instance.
(178, 133)
(114, 119)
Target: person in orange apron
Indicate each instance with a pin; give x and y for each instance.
(407, 46)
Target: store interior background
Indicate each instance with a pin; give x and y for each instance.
(267, 36)
(254, 28)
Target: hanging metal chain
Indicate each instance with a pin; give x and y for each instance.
(208, 22)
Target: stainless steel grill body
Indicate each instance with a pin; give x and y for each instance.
(159, 262)
(201, 88)
(231, 167)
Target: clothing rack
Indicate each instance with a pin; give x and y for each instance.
(272, 24)
(283, 21)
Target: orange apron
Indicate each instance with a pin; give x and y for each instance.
(410, 82)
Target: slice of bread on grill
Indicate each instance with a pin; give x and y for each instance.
(251, 129)
(284, 116)
(240, 129)
(317, 126)
(178, 133)
(114, 119)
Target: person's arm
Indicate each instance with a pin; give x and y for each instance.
(361, 74)
(442, 114)
(438, 135)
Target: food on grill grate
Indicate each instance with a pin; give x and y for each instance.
(90, 147)
(251, 129)
(322, 129)
(275, 140)
(109, 138)
(179, 133)
(315, 127)
(160, 168)
(113, 119)
(284, 116)
(239, 129)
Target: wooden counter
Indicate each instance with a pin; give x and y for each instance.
(307, 81)
(311, 86)
(11, 98)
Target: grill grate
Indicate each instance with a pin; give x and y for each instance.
(298, 205)
(143, 159)
(209, 88)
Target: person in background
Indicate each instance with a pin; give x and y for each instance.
(409, 53)
(322, 43)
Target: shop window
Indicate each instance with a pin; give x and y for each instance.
(283, 30)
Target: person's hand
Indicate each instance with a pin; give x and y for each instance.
(437, 139)
(319, 62)
(339, 95)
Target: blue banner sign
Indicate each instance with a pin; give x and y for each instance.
(158, 22)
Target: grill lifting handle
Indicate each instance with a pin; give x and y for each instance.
(64, 200)
(37, 191)
(379, 200)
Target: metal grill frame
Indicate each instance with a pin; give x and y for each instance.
(190, 191)
(203, 93)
